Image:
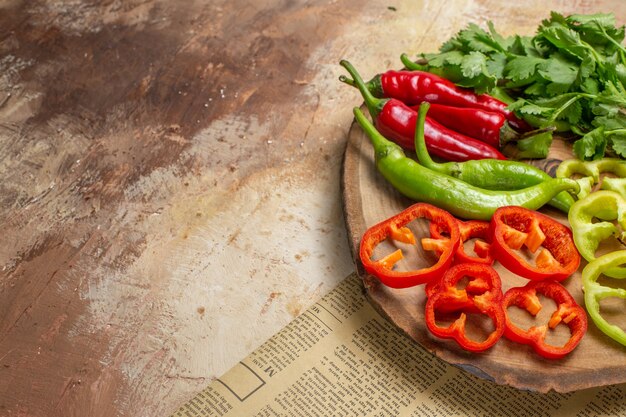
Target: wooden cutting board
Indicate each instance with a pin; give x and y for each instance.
(369, 199)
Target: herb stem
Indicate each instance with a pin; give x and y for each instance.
(613, 41)
(565, 106)
(614, 132)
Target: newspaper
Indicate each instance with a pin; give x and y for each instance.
(341, 358)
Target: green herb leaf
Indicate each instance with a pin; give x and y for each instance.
(572, 113)
(596, 28)
(591, 146)
(496, 64)
(534, 147)
(618, 143)
(480, 40)
(559, 70)
(523, 106)
(566, 40)
(571, 74)
(474, 64)
(522, 67)
(446, 58)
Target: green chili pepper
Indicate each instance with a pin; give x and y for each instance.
(490, 174)
(595, 293)
(458, 197)
(593, 170)
(592, 221)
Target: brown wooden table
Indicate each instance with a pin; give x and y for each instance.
(170, 181)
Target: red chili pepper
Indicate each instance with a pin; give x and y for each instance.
(396, 229)
(567, 311)
(513, 227)
(482, 294)
(471, 229)
(414, 87)
(397, 121)
(486, 126)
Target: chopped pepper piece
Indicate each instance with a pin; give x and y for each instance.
(471, 229)
(567, 311)
(395, 228)
(594, 169)
(595, 293)
(598, 217)
(482, 294)
(513, 227)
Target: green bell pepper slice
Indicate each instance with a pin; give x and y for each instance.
(594, 293)
(592, 170)
(597, 217)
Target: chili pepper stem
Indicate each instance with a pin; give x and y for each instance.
(421, 64)
(347, 80)
(374, 105)
(374, 85)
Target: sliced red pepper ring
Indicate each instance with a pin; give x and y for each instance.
(513, 226)
(482, 294)
(471, 229)
(395, 228)
(567, 312)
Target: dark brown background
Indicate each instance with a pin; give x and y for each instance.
(169, 193)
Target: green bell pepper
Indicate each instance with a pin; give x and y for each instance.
(607, 207)
(593, 170)
(594, 292)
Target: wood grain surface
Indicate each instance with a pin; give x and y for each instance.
(169, 193)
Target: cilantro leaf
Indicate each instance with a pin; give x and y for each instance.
(571, 74)
(591, 146)
(559, 70)
(596, 28)
(474, 64)
(446, 58)
(614, 93)
(613, 122)
(522, 67)
(590, 86)
(523, 106)
(566, 40)
(523, 46)
(618, 143)
(480, 40)
(536, 146)
(496, 64)
(572, 113)
(474, 68)
(620, 71)
(536, 89)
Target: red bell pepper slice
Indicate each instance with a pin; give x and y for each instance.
(471, 229)
(395, 228)
(482, 294)
(567, 311)
(513, 227)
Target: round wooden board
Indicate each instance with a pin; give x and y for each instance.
(369, 199)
